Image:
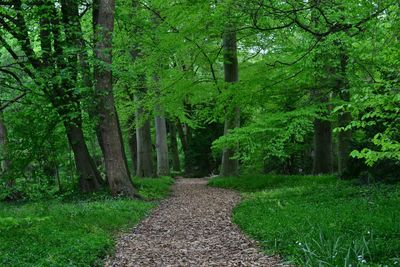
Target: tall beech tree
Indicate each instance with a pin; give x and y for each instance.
(229, 165)
(161, 142)
(118, 175)
(144, 143)
(344, 116)
(323, 139)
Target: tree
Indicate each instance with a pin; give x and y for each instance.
(176, 166)
(344, 116)
(5, 162)
(230, 165)
(144, 146)
(113, 149)
(56, 58)
(161, 143)
(323, 139)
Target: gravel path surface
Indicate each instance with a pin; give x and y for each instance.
(191, 228)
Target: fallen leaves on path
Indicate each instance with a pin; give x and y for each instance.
(191, 228)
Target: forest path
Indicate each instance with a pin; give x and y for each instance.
(191, 228)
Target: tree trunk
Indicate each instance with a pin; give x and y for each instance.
(53, 64)
(323, 154)
(144, 146)
(176, 166)
(115, 161)
(230, 166)
(322, 163)
(185, 136)
(132, 142)
(4, 157)
(161, 143)
(344, 137)
(63, 96)
(89, 178)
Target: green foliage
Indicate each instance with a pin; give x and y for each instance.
(320, 221)
(271, 137)
(375, 83)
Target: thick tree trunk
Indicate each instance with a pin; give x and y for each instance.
(161, 143)
(322, 163)
(144, 148)
(63, 96)
(176, 166)
(89, 177)
(115, 161)
(323, 154)
(230, 166)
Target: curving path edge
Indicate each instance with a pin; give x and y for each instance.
(191, 228)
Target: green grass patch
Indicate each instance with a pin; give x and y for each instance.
(154, 188)
(72, 233)
(320, 221)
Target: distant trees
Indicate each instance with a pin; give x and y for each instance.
(317, 91)
(311, 84)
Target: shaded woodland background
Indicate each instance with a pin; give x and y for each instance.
(94, 93)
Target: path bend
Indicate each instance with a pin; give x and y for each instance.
(191, 228)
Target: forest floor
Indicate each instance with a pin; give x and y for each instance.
(319, 220)
(191, 228)
(73, 230)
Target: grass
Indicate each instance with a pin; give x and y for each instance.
(73, 233)
(153, 189)
(320, 221)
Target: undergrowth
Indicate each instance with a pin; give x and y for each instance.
(69, 231)
(320, 221)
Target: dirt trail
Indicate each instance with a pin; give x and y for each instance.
(191, 228)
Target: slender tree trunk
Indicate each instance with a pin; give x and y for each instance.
(230, 166)
(144, 146)
(132, 142)
(87, 77)
(161, 143)
(344, 119)
(186, 138)
(89, 178)
(115, 161)
(4, 157)
(176, 166)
